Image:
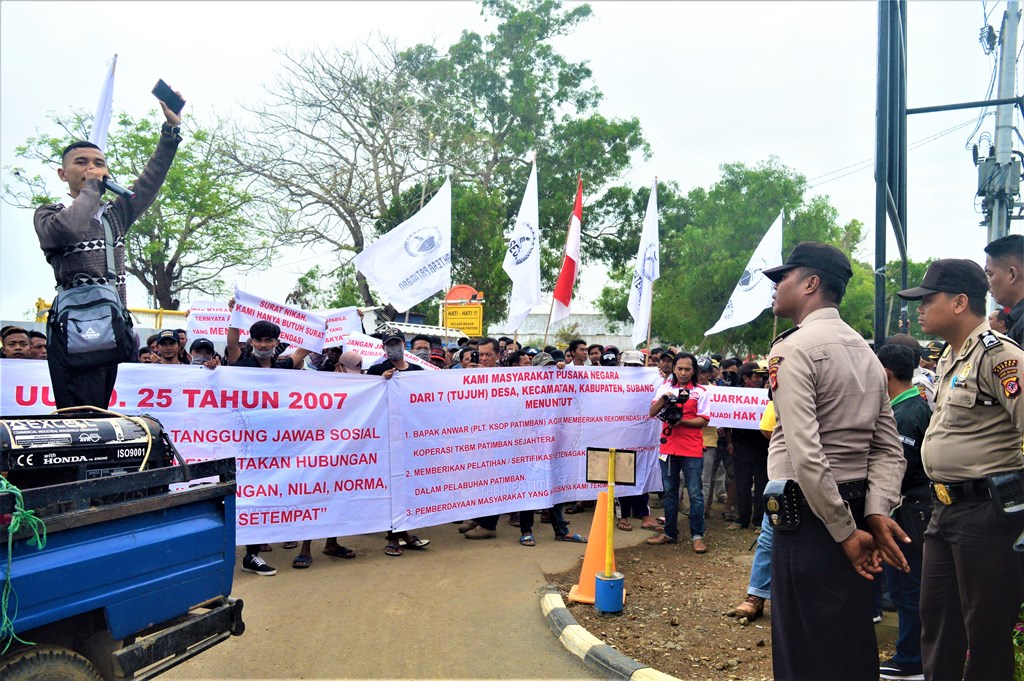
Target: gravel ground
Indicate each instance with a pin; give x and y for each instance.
(676, 618)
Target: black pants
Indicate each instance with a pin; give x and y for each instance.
(488, 522)
(80, 387)
(821, 608)
(635, 506)
(751, 477)
(970, 592)
(253, 549)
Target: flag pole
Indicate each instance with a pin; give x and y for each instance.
(551, 311)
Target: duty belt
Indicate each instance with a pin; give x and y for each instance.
(949, 493)
(848, 491)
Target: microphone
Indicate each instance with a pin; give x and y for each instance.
(109, 184)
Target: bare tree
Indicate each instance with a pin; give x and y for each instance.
(342, 135)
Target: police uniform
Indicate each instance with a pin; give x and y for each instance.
(971, 587)
(836, 438)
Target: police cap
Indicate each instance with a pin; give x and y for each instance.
(825, 257)
(953, 275)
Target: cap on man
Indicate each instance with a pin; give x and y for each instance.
(848, 464)
(971, 577)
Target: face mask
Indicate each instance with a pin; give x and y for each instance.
(423, 354)
(262, 354)
(394, 351)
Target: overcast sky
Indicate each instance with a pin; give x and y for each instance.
(711, 82)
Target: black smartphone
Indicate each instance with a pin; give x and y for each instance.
(474, 357)
(165, 94)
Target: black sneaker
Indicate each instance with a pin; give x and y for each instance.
(907, 671)
(257, 566)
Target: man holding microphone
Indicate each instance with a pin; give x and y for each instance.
(74, 236)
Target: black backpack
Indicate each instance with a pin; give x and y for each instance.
(87, 325)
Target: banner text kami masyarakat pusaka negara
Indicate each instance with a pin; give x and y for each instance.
(331, 454)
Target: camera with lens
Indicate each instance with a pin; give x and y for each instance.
(672, 412)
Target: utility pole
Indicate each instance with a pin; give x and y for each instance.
(1003, 180)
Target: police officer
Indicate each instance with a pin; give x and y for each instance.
(836, 442)
(971, 578)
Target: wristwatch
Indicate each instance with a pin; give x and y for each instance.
(167, 129)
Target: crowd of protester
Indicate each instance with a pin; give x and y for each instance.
(701, 465)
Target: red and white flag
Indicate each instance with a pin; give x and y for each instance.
(571, 261)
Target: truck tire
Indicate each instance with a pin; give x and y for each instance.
(48, 663)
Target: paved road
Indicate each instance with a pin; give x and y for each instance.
(459, 609)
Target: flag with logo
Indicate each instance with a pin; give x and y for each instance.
(522, 260)
(570, 262)
(753, 292)
(104, 109)
(414, 260)
(646, 270)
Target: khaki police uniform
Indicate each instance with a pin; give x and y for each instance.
(971, 579)
(837, 438)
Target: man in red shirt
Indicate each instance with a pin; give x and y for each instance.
(682, 447)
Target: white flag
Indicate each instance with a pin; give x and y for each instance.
(753, 292)
(522, 260)
(647, 269)
(414, 260)
(104, 109)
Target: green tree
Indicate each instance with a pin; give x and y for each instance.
(509, 94)
(201, 224)
(707, 237)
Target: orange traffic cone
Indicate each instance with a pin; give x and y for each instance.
(594, 558)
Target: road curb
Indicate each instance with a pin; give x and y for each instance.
(595, 653)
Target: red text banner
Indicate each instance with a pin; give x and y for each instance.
(481, 442)
(298, 328)
(737, 407)
(311, 448)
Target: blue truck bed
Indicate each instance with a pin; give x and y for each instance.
(153, 567)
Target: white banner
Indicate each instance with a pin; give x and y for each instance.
(480, 442)
(522, 259)
(104, 108)
(753, 292)
(298, 328)
(311, 448)
(210, 320)
(645, 271)
(414, 260)
(372, 350)
(736, 407)
(330, 454)
(339, 324)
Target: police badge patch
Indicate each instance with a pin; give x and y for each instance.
(1006, 372)
(1011, 387)
(773, 372)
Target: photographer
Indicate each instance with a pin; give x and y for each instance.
(83, 240)
(684, 408)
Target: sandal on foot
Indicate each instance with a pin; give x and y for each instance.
(393, 550)
(513, 520)
(527, 540)
(657, 527)
(574, 508)
(302, 562)
(661, 539)
(290, 545)
(339, 552)
(575, 538)
(416, 543)
(624, 525)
